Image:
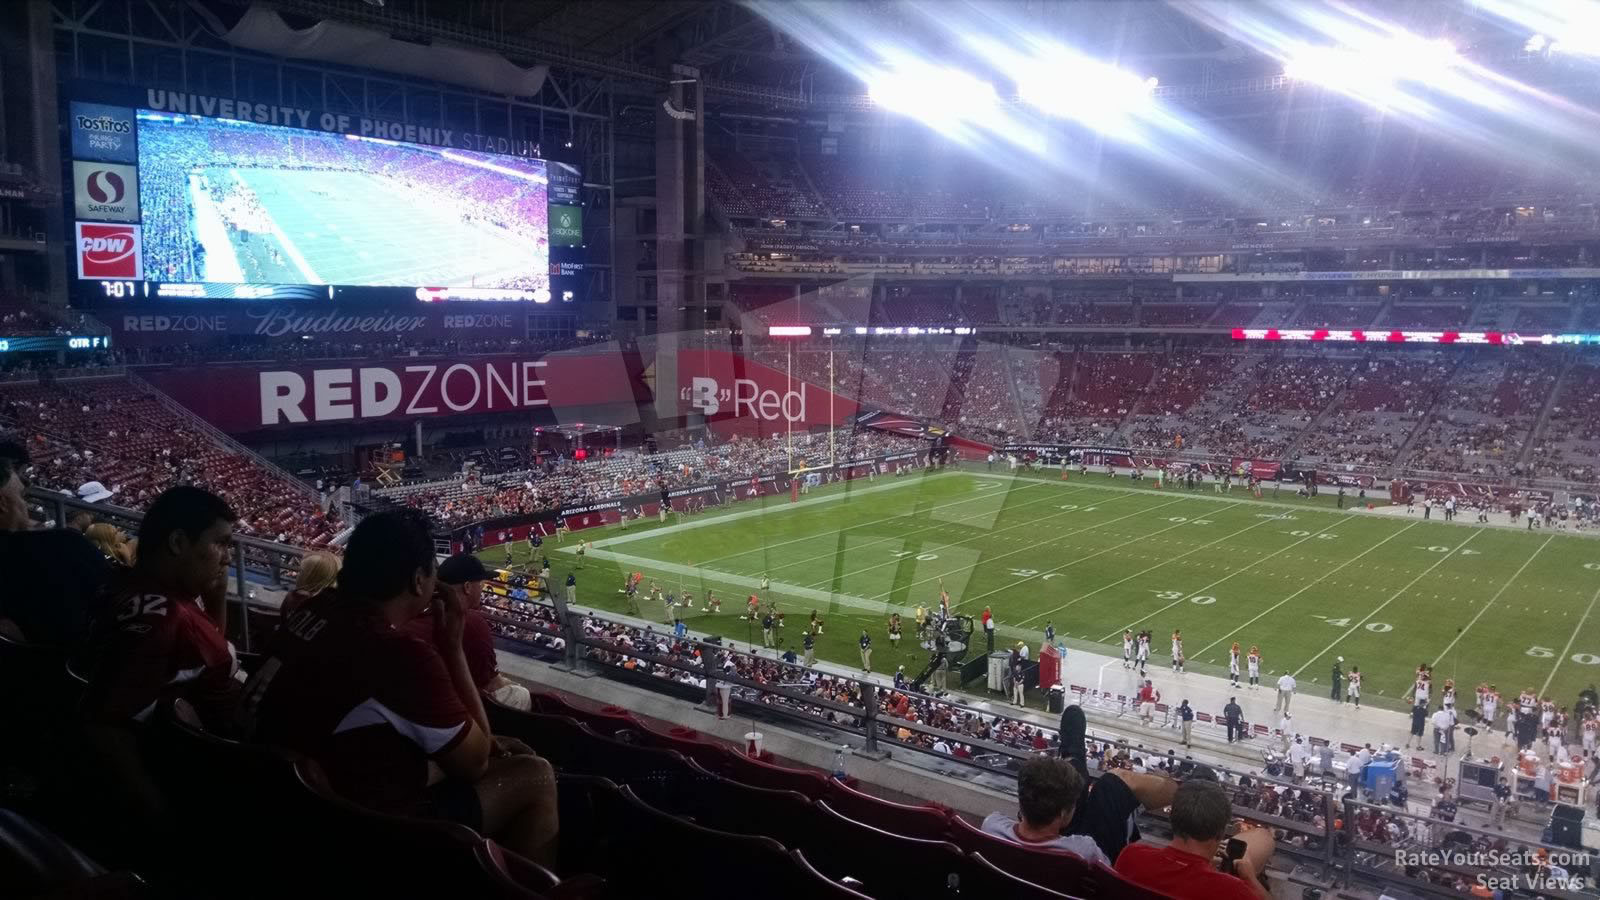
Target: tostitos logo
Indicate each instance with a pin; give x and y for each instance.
(108, 251)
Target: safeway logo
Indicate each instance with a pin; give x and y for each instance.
(108, 251)
(106, 192)
(105, 187)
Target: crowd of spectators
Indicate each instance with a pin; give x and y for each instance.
(560, 482)
(110, 440)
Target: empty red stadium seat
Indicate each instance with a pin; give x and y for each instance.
(990, 880)
(925, 822)
(35, 862)
(887, 864)
(822, 884)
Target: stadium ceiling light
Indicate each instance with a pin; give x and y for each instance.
(1535, 44)
(1380, 67)
(933, 94)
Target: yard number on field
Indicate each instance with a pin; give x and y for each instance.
(1374, 627)
(1179, 595)
(1305, 534)
(1069, 507)
(1029, 573)
(1582, 659)
(902, 554)
(1180, 520)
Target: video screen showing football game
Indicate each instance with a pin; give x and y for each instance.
(229, 201)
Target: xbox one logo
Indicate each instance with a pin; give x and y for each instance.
(566, 220)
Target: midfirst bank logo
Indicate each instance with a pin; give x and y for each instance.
(748, 398)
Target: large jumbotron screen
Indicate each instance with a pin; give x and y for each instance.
(240, 203)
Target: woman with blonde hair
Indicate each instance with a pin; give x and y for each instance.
(110, 542)
(317, 574)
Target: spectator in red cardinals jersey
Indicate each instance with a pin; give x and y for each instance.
(396, 719)
(162, 638)
(168, 617)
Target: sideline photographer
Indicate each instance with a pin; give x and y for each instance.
(1186, 869)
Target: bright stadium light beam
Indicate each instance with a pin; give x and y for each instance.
(1070, 86)
(1571, 27)
(933, 94)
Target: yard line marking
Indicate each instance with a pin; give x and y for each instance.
(836, 551)
(1149, 568)
(759, 509)
(1562, 658)
(1496, 596)
(1395, 596)
(1213, 584)
(879, 522)
(1106, 550)
(986, 534)
(1039, 544)
(1309, 586)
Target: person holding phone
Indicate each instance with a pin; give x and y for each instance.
(1186, 869)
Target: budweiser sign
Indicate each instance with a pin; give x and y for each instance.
(279, 322)
(172, 323)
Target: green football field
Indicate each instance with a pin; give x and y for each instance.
(1298, 577)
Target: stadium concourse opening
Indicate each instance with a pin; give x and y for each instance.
(1109, 450)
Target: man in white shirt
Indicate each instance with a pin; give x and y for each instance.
(1286, 731)
(1048, 788)
(1285, 693)
(1299, 755)
(1444, 723)
(1356, 765)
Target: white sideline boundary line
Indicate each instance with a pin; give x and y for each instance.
(1319, 580)
(1397, 595)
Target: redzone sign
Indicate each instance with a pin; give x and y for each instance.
(377, 392)
(246, 398)
(108, 251)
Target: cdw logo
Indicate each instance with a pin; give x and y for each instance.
(108, 251)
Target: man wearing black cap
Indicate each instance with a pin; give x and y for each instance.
(477, 640)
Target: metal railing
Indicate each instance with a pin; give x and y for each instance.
(1321, 825)
(253, 558)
